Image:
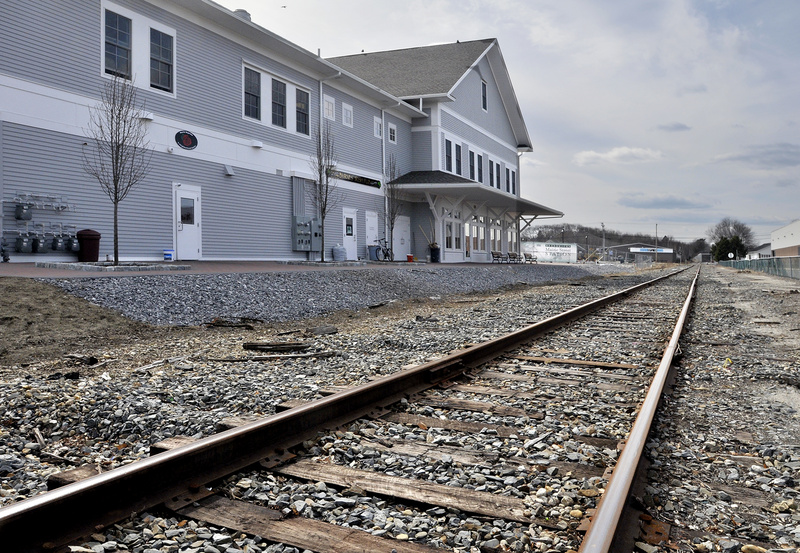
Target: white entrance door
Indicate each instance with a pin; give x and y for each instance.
(401, 238)
(350, 238)
(188, 244)
(371, 229)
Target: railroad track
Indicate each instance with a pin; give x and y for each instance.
(476, 449)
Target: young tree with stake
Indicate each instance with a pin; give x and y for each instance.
(324, 195)
(118, 154)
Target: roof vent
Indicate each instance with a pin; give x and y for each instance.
(242, 14)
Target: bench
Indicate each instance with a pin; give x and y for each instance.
(530, 258)
(499, 257)
(514, 257)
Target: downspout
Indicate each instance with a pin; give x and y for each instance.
(383, 173)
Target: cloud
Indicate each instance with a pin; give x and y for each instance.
(694, 89)
(786, 183)
(642, 201)
(766, 156)
(622, 155)
(674, 127)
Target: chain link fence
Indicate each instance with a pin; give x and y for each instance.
(779, 266)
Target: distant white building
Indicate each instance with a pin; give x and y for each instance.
(761, 252)
(786, 240)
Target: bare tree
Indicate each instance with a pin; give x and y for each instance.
(119, 155)
(324, 195)
(392, 205)
(730, 228)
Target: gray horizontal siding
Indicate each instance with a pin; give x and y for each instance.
(403, 149)
(357, 146)
(468, 103)
(35, 32)
(477, 140)
(422, 157)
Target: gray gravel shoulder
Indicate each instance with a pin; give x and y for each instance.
(284, 296)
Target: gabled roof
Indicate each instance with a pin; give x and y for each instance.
(435, 71)
(416, 72)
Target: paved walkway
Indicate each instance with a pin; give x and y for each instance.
(30, 270)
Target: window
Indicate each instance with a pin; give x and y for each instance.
(448, 155)
(480, 168)
(497, 175)
(347, 115)
(392, 133)
(484, 97)
(252, 93)
(513, 182)
(160, 60)
(472, 165)
(329, 108)
(278, 103)
(491, 173)
(377, 127)
(118, 45)
(508, 179)
(302, 111)
(458, 159)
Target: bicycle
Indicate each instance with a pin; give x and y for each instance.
(384, 252)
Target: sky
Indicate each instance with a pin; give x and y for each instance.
(642, 113)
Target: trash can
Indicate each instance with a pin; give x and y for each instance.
(89, 241)
(373, 252)
(410, 258)
(435, 255)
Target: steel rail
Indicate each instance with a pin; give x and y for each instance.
(599, 537)
(53, 519)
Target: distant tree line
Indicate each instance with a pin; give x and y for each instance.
(727, 236)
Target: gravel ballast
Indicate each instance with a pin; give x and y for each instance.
(284, 296)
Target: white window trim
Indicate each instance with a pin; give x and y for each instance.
(329, 114)
(266, 101)
(140, 47)
(347, 115)
(392, 132)
(377, 127)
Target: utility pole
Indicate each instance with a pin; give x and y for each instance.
(603, 226)
(656, 242)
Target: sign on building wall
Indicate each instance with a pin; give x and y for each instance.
(552, 252)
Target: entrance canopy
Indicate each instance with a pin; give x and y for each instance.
(422, 186)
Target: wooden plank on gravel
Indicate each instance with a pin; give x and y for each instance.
(170, 444)
(72, 475)
(476, 406)
(577, 372)
(436, 452)
(303, 533)
(419, 491)
(586, 362)
(457, 426)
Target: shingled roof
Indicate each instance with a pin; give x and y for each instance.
(414, 72)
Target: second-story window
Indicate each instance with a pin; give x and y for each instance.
(472, 165)
(302, 111)
(377, 127)
(491, 173)
(252, 93)
(497, 176)
(347, 115)
(118, 45)
(161, 60)
(448, 155)
(513, 182)
(508, 179)
(329, 107)
(480, 168)
(458, 159)
(278, 103)
(392, 133)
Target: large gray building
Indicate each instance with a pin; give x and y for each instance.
(231, 110)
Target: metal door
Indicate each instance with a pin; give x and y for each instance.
(188, 237)
(350, 237)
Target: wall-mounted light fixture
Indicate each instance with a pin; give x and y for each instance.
(229, 171)
(256, 144)
(146, 116)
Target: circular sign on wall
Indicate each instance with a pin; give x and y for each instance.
(186, 140)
